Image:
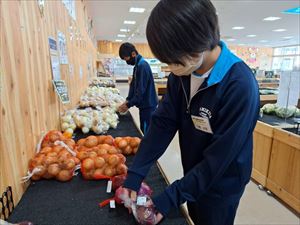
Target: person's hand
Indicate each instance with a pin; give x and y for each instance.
(129, 194)
(158, 215)
(123, 108)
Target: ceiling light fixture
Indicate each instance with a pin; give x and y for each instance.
(131, 22)
(231, 39)
(279, 30)
(263, 41)
(124, 30)
(272, 18)
(251, 35)
(241, 44)
(121, 35)
(288, 37)
(238, 28)
(119, 40)
(137, 10)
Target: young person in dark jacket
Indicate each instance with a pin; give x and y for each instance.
(142, 92)
(212, 100)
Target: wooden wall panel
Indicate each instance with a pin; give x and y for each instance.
(254, 57)
(29, 104)
(112, 48)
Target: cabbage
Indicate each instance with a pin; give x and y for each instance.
(297, 113)
(285, 112)
(269, 108)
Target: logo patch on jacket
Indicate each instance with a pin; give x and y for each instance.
(205, 113)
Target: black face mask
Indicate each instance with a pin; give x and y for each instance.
(131, 61)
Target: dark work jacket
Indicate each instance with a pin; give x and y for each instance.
(217, 165)
(142, 92)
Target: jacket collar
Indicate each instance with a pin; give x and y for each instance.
(225, 61)
(138, 59)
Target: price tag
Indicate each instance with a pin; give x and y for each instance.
(109, 185)
(112, 204)
(141, 200)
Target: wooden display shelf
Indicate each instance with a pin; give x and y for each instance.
(262, 146)
(265, 99)
(268, 85)
(284, 170)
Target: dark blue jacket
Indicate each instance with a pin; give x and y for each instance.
(142, 92)
(216, 166)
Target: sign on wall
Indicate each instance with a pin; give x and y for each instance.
(70, 6)
(54, 59)
(62, 48)
(61, 90)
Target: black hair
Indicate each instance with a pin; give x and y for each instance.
(126, 49)
(181, 28)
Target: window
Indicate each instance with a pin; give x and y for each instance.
(286, 58)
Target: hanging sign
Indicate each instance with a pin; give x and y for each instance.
(54, 59)
(62, 48)
(61, 90)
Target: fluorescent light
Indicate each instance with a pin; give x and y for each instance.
(137, 10)
(292, 11)
(271, 18)
(251, 35)
(231, 39)
(119, 40)
(241, 44)
(263, 41)
(238, 28)
(124, 30)
(288, 37)
(279, 30)
(129, 22)
(121, 35)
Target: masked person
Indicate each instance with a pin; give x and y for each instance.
(212, 100)
(142, 92)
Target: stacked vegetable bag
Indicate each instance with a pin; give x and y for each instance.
(100, 118)
(100, 156)
(55, 158)
(100, 82)
(101, 96)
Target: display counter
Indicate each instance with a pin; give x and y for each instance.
(276, 159)
(76, 201)
(284, 168)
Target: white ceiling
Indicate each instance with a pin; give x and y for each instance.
(108, 18)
